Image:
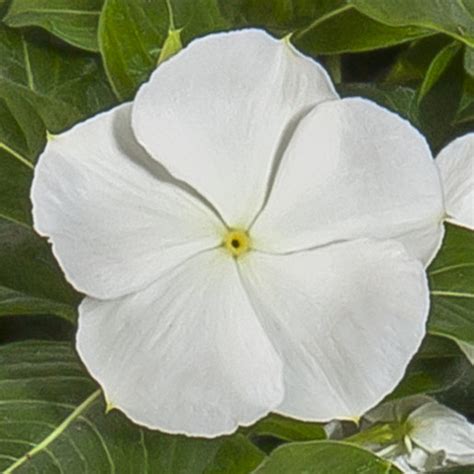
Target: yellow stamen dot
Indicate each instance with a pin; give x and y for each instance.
(237, 242)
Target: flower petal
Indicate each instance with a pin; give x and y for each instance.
(346, 319)
(353, 169)
(436, 427)
(185, 355)
(114, 220)
(456, 165)
(216, 114)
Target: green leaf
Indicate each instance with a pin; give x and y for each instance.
(30, 279)
(324, 457)
(413, 62)
(437, 67)
(346, 30)
(287, 429)
(146, 25)
(62, 85)
(52, 419)
(399, 99)
(452, 287)
(453, 17)
(74, 21)
(469, 60)
(22, 136)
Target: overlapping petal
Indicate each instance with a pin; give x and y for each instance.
(187, 354)
(456, 165)
(436, 427)
(353, 169)
(217, 114)
(115, 220)
(345, 319)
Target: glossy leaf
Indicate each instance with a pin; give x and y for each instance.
(453, 17)
(452, 287)
(62, 85)
(147, 24)
(324, 457)
(52, 419)
(74, 21)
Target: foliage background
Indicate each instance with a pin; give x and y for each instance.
(64, 60)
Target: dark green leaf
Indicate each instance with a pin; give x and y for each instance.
(437, 68)
(452, 287)
(30, 279)
(74, 21)
(453, 17)
(146, 25)
(413, 62)
(347, 30)
(287, 429)
(324, 457)
(469, 60)
(399, 99)
(22, 136)
(62, 85)
(52, 419)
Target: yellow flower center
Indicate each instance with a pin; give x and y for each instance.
(237, 242)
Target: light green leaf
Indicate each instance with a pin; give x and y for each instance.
(437, 67)
(30, 279)
(287, 429)
(468, 350)
(146, 25)
(62, 85)
(74, 21)
(346, 30)
(453, 17)
(452, 287)
(52, 419)
(324, 457)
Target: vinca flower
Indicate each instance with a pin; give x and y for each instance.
(431, 435)
(456, 165)
(247, 241)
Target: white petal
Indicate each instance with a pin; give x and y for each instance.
(422, 461)
(217, 113)
(346, 319)
(114, 221)
(436, 427)
(185, 355)
(456, 165)
(353, 169)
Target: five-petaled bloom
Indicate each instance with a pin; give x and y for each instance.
(248, 241)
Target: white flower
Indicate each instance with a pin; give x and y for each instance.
(456, 165)
(261, 255)
(432, 435)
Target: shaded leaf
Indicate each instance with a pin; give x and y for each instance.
(437, 67)
(452, 287)
(62, 85)
(30, 279)
(74, 21)
(324, 457)
(52, 419)
(469, 60)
